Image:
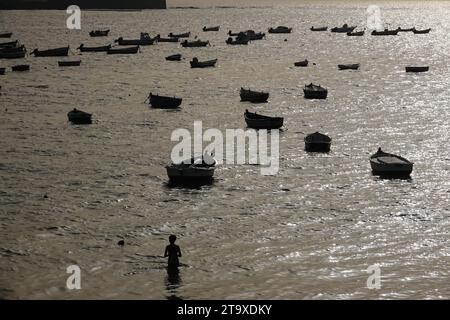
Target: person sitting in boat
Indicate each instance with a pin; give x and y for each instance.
(195, 60)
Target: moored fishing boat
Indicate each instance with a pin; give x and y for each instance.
(355, 33)
(318, 28)
(353, 66)
(303, 63)
(164, 102)
(202, 64)
(317, 142)
(99, 33)
(280, 29)
(79, 117)
(385, 32)
(82, 48)
(258, 121)
(174, 57)
(405, 30)
(6, 35)
(415, 31)
(58, 52)
(9, 44)
(312, 91)
(75, 63)
(344, 29)
(252, 35)
(387, 164)
(179, 35)
(239, 40)
(194, 170)
(13, 49)
(129, 50)
(21, 67)
(253, 96)
(417, 68)
(194, 44)
(12, 55)
(2, 71)
(216, 28)
(144, 40)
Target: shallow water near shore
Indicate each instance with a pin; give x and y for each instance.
(309, 232)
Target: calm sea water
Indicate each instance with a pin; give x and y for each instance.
(309, 232)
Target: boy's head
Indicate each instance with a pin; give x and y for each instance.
(172, 238)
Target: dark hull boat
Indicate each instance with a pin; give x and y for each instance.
(192, 171)
(312, 91)
(355, 34)
(252, 35)
(58, 52)
(405, 30)
(280, 29)
(253, 96)
(237, 41)
(69, 63)
(416, 69)
(79, 117)
(135, 42)
(194, 44)
(303, 63)
(130, 50)
(21, 67)
(390, 165)
(13, 49)
(6, 35)
(163, 102)
(12, 55)
(174, 57)
(82, 48)
(99, 33)
(354, 66)
(205, 29)
(257, 121)
(9, 44)
(180, 35)
(415, 31)
(385, 32)
(202, 64)
(317, 142)
(2, 71)
(344, 29)
(319, 29)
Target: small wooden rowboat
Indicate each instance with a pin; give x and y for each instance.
(417, 69)
(258, 121)
(388, 164)
(79, 117)
(317, 142)
(164, 102)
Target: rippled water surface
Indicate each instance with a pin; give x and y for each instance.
(309, 232)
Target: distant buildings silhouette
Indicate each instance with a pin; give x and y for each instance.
(83, 4)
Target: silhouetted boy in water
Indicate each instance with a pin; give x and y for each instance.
(173, 252)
